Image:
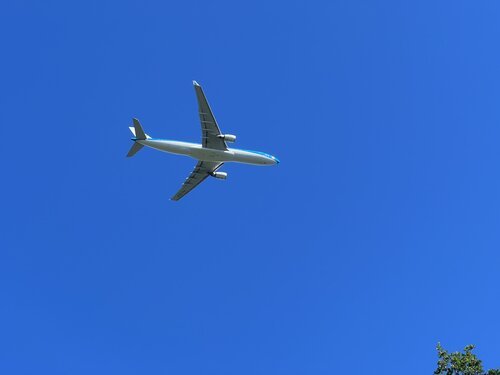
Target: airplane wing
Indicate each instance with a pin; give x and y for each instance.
(209, 128)
(202, 170)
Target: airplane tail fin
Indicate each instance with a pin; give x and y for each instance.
(139, 135)
(134, 149)
(137, 130)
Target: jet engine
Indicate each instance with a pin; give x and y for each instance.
(220, 175)
(228, 137)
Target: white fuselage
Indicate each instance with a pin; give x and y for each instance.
(197, 151)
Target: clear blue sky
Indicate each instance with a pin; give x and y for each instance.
(376, 237)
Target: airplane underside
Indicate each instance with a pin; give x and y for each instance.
(211, 154)
(198, 152)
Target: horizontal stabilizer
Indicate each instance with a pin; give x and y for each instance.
(132, 130)
(134, 149)
(138, 131)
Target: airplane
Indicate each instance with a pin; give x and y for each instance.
(211, 154)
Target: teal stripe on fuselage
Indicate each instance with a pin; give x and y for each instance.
(259, 153)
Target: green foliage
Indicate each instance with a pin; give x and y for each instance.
(457, 363)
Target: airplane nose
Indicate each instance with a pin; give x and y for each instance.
(276, 160)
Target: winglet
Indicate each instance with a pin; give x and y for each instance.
(196, 83)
